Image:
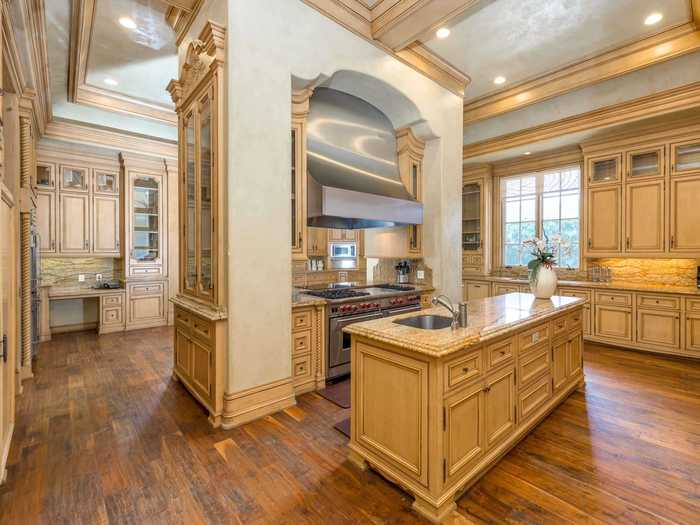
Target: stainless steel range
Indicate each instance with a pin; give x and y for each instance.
(353, 305)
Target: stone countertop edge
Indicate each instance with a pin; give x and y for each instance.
(613, 285)
(206, 310)
(56, 292)
(446, 341)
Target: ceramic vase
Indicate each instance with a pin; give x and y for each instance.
(544, 285)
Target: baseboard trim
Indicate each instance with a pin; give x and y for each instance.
(253, 403)
(6, 454)
(79, 327)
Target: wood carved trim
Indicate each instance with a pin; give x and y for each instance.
(203, 56)
(661, 103)
(80, 92)
(425, 61)
(181, 19)
(664, 46)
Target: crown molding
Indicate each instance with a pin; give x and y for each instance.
(181, 17)
(664, 46)
(415, 17)
(80, 133)
(677, 99)
(566, 156)
(80, 92)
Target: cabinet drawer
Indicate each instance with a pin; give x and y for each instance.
(301, 342)
(559, 326)
(576, 292)
(202, 329)
(574, 321)
(146, 289)
(692, 304)
(621, 299)
(301, 367)
(500, 353)
(533, 337)
(502, 289)
(139, 270)
(111, 300)
(534, 397)
(182, 318)
(533, 363)
(665, 302)
(301, 320)
(112, 315)
(463, 369)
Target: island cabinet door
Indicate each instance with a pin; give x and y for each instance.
(499, 406)
(574, 359)
(464, 431)
(560, 367)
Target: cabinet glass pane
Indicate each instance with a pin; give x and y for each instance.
(191, 205)
(205, 189)
(604, 170)
(105, 182)
(146, 229)
(43, 176)
(687, 157)
(471, 217)
(646, 163)
(73, 178)
(294, 188)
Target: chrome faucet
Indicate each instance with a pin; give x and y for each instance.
(445, 301)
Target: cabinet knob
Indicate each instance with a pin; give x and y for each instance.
(487, 388)
(465, 369)
(673, 241)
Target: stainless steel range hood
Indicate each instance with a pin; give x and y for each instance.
(354, 179)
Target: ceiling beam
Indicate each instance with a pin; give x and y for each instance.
(408, 20)
(664, 102)
(649, 51)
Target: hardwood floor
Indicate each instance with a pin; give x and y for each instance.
(104, 435)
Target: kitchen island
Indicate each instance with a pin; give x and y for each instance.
(433, 410)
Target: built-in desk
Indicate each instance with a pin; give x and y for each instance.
(110, 313)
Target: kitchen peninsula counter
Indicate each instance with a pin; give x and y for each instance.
(433, 410)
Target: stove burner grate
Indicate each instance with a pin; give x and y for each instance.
(342, 293)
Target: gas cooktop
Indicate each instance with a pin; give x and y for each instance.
(397, 287)
(338, 293)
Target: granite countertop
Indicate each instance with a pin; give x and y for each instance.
(56, 292)
(612, 285)
(299, 298)
(489, 318)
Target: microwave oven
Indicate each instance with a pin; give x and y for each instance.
(343, 250)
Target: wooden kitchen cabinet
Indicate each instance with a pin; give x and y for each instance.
(146, 304)
(604, 169)
(45, 175)
(46, 221)
(335, 235)
(106, 225)
(603, 224)
(473, 215)
(410, 151)
(464, 441)
(145, 191)
(685, 215)
(645, 213)
(685, 157)
(317, 244)
(499, 406)
(645, 163)
(612, 322)
(503, 289)
(659, 328)
(74, 179)
(476, 290)
(74, 223)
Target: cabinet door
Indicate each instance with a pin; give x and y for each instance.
(105, 225)
(574, 358)
(499, 407)
(692, 332)
(477, 290)
(298, 171)
(464, 431)
(685, 158)
(73, 179)
(613, 323)
(644, 216)
(604, 169)
(146, 207)
(503, 289)
(659, 328)
(685, 214)
(45, 176)
(603, 220)
(106, 182)
(183, 351)
(645, 163)
(335, 235)
(74, 220)
(201, 368)
(46, 220)
(559, 364)
(472, 212)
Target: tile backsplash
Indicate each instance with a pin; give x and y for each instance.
(64, 271)
(385, 271)
(670, 272)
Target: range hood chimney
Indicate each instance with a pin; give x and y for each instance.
(353, 171)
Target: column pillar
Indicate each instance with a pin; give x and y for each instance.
(26, 164)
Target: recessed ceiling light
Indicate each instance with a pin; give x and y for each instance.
(127, 22)
(443, 32)
(499, 80)
(110, 81)
(653, 18)
(527, 153)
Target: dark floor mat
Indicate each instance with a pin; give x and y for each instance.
(343, 427)
(338, 393)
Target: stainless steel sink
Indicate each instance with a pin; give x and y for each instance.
(426, 322)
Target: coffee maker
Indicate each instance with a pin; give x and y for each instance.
(402, 271)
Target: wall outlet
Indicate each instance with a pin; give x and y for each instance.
(420, 274)
(98, 277)
(81, 278)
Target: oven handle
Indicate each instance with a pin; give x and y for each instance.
(404, 310)
(354, 319)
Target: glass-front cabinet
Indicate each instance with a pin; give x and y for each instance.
(198, 254)
(471, 216)
(645, 163)
(106, 182)
(74, 179)
(146, 219)
(685, 158)
(604, 169)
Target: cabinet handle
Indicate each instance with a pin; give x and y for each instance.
(53, 245)
(589, 242)
(487, 389)
(86, 244)
(299, 239)
(628, 242)
(465, 369)
(673, 241)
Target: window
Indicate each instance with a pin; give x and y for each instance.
(538, 204)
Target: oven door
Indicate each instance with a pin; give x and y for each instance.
(339, 343)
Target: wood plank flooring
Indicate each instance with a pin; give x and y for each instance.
(104, 435)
